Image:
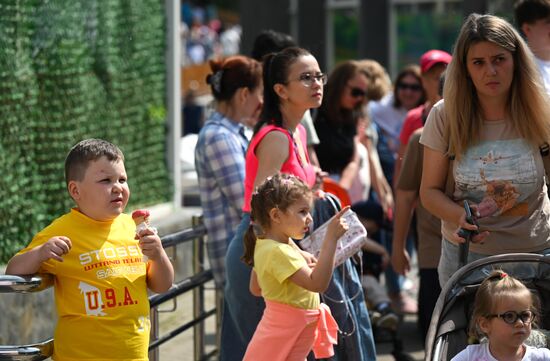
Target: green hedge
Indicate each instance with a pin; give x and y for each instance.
(71, 70)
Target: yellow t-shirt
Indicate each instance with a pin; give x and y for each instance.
(100, 290)
(274, 263)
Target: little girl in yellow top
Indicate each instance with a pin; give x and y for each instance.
(294, 321)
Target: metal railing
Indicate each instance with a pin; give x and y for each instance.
(195, 283)
(26, 284)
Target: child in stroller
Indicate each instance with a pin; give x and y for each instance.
(448, 333)
(504, 310)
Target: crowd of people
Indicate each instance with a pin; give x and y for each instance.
(402, 166)
(471, 126)
(205, 36)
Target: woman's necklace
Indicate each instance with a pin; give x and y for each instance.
(298, 149)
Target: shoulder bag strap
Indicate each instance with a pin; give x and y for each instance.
(450, 182)
(334, 202)
(545, 152)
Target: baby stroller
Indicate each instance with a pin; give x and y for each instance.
(448, 332)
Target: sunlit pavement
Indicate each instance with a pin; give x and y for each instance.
(410, 337)
(408, 332)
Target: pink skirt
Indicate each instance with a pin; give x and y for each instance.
(288, 333)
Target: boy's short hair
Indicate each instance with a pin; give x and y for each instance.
(529, 11)
(86, 151)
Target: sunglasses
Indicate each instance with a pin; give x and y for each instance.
(357, 92)
(511, 317)
(307, 79)
(413, 87)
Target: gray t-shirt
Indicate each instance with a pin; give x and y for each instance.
(504, 174)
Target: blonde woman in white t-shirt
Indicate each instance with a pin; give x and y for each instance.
(489, 128)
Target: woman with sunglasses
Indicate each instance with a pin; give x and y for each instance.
(338, 152)
(485, 144)
(336, 125)
(293, 83)
(389, 113)
(504, 311)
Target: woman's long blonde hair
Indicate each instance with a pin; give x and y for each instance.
(528, 104)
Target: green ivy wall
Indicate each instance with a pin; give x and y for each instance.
(70, 70)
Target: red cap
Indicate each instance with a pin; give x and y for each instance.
(432, 57)
(140, 213)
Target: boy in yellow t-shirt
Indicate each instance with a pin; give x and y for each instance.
(101, 277)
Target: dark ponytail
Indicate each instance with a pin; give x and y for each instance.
(271, 112)
(249, 245)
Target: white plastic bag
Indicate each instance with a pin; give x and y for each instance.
(350, 243)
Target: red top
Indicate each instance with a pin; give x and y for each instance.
(412, 122)
(291, 166)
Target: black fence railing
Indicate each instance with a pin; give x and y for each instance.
(195, 283)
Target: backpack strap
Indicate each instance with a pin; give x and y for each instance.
(544, 150)
(450, 182)
(334, 202)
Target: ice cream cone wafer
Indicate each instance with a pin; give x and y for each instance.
(141, 219)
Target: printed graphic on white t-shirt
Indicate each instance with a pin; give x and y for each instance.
(498, 175)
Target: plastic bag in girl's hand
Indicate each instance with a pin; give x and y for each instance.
(349, 244)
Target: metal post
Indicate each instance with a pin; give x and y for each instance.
(173, 95)
(256, 16)
(154, 355)
(198, 294)
(219, 314)
(375, 34)
(311, 25)
(474, 6)
(294, 20)
(329, 40)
